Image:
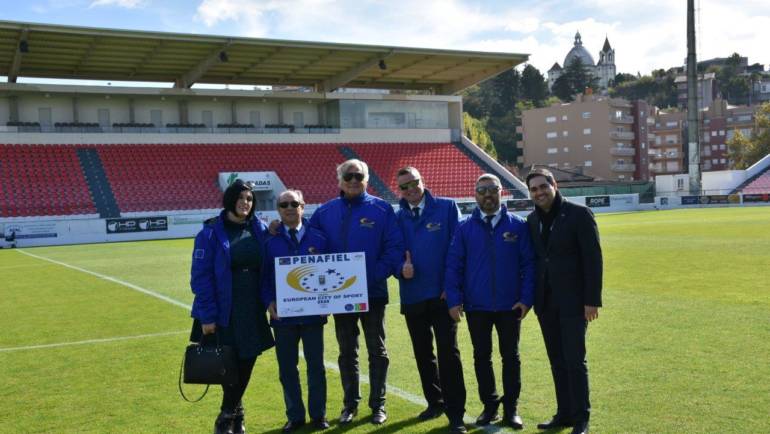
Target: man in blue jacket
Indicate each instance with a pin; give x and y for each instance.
(428, 223)
(490, 275)
(359, 222)
(296, 237)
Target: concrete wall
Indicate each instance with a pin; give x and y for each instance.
(220, 111)
(344, 136)
(309, 113)
(268, 112)
(61, 108)
(143, 107)
(5, 110)
(88, 109)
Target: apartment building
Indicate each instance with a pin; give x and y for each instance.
(598, 135)
(719, 121)
(666, 138)
(707, 90)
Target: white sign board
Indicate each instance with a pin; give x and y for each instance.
(263, 181)
(321, 284)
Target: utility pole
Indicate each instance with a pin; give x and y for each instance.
(693, 130)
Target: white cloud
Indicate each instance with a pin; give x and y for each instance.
(646, 34)
(128, 4)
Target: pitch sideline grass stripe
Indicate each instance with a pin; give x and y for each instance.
(92, 341)
(110, 279)
(403, 394)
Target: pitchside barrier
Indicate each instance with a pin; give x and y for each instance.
(34, 231)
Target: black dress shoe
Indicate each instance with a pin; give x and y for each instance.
(432, 412)
(293, 425)
(321, 423)
(457, 426)
(489, 415)
(555, 422)
(580, 428)
(514, 421)
(348, 414)
(379, 416)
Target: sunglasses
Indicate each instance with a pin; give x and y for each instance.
(485, 189)
(350, 176)
(411, 184)
(293, 204)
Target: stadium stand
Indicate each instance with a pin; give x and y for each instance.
(115, 178)
(446, 169)
(42, 180)
(759, 184)
(148, 177)
(93, 153)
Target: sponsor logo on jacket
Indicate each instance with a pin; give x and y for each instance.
(366, 223)
(510, 237)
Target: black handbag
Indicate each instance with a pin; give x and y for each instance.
(208, 363)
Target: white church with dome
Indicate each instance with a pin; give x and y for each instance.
(604, 69)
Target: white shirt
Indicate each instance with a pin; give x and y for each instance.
(300, 231)
(497, 216)
(420, 205)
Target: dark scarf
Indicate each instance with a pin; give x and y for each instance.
(547, 218)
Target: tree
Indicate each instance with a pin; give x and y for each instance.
(476, 130)
(623, 77)
(658, 89)
(533, 86)
(733, 86)
(573, 80)
(745, 151)
(492, 107)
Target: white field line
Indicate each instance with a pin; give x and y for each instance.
(403, 394)
(111, 279)
(91, 341)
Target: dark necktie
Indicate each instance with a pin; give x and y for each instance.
(293, 235)
(416, 211)
(489, 221)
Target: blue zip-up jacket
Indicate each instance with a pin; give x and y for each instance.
(211, 278)
(427, 238)
(364, 224)
(313, 242)
(491, 271)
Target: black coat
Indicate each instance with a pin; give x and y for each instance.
(572, 260)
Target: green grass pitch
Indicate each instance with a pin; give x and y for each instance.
(681, 346)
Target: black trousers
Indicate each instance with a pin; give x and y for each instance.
(231, 398)
(346, 329)
(480, 324)
(565, 342)
(442, 379)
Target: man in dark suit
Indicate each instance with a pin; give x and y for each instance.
(568, 293)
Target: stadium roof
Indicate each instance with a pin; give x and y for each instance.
(67, 52)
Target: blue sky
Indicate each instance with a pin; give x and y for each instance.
(646, 34)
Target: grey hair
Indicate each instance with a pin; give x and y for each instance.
(489, 177)
(342, 168)
(299, 194)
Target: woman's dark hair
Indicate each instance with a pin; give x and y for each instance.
(233, 192)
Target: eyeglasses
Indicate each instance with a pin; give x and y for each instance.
(355, 175)
(411, 184)
(485, 189)
(293, 204)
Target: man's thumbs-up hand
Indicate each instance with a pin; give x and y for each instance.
(407, 272)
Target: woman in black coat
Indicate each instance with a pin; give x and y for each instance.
(226, 278)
